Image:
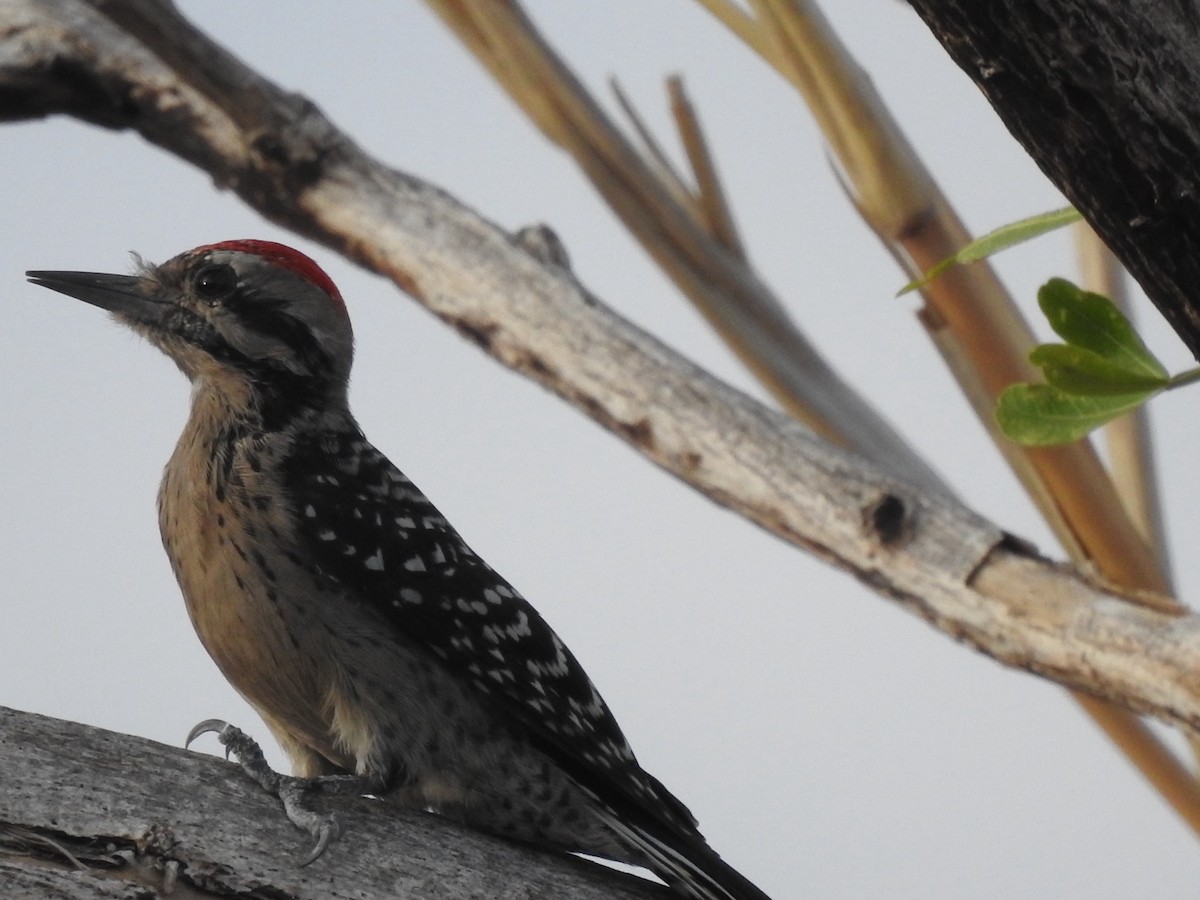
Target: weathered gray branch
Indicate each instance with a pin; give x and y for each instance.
(86, 813)
(1105, 96)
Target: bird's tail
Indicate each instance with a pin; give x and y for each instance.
(689, 866)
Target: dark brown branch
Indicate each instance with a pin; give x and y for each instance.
(88, 813)
(1105, 96)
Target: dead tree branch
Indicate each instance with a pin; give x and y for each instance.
(86, 813)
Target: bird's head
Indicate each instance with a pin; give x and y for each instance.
(255, 319)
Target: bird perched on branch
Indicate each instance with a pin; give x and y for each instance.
(341, 604)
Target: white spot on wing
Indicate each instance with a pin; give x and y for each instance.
(520, 628)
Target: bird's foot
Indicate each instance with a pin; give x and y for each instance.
(294, 793)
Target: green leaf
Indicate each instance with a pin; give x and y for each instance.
(1017, 233)
(1001, 239)
(1092, 322)
(1077, 370)
(1102, 372)
(1039, 414)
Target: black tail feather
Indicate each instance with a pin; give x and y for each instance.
(694, 869)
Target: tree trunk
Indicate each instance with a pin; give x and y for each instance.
(1105, 96)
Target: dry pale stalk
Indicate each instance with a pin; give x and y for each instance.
(1130, 444)
(714, 207)
(721, 285)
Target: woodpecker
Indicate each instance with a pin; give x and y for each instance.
(344, 607)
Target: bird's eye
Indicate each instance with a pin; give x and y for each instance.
(216, 282)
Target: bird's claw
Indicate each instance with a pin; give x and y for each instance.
(327, 831)
(292, 792)
(209, 726)
(324, 827)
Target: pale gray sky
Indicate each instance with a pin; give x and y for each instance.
(830, 744)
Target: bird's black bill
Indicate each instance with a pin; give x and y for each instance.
(116, 293)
